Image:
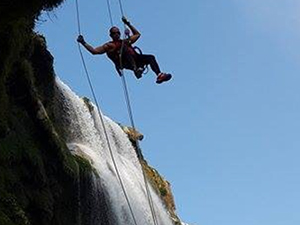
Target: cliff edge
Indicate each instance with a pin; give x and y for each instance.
(41, 182)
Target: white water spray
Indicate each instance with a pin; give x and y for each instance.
(85, 136)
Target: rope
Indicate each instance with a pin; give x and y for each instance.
(102, 121)
(109, 13)
(150, 200)
(128, 101)
(78, 16)
(121, 7)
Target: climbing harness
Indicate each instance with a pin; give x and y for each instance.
(131, 54)
(127, 99)
(139, 51)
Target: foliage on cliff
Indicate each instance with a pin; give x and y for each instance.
(38, 176)
(163, 189)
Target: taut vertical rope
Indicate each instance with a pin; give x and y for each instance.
(126, 92)
(102, 120)
(78, 17)
(109, 12)
(150, 200)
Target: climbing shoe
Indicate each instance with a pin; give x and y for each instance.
(163, 77)
(138, 73)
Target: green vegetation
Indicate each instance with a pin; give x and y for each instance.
(38, 176)
(163, 188)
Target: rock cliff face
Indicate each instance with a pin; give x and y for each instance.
(41, 181)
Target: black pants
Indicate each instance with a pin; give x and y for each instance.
(140, 60)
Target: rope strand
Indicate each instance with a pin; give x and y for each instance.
(102, 122)
(109, 12)
(78, 20)
(107, 138)
(121, 7)
(127, 99)
(126, 92)
(150, 200)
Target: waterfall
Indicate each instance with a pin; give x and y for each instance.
(83, 132)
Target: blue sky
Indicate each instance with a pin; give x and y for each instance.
(225, 131)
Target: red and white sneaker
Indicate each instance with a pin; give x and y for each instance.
(163, 77)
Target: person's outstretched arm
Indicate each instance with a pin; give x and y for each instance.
(98, 50)
(136, 34)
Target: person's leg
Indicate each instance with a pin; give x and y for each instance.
(129, 62)
(142, 60)
(150, 60)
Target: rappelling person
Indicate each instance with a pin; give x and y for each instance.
(118, 49)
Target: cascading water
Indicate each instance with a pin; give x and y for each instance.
(84, 135)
